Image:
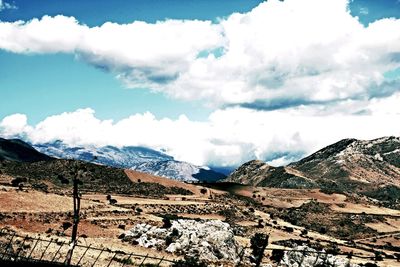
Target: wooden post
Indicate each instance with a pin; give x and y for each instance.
(77, 207)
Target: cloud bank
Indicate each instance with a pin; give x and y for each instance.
(284, 79)
(280, 54)
(228, 137)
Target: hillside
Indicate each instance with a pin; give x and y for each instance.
(17, 150)
(21, 164)
(371, 167)
(258, 173)
(374, 162)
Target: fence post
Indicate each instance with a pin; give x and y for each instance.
(115, 254)
(98, 256)
(48, 245)
(30, 254)
(22, 247)
(123, 264)
(83, 255)
(8, 244)
(141, 264)
(58, 250)
(160, 261)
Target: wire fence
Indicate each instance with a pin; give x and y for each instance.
(53, 252)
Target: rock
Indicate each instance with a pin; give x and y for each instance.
(309, 257)
(208, 240)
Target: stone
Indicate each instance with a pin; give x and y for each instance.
(207, 240)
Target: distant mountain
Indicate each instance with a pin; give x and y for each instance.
(132, 157)
(17, 150)
(349, 165)
(124, 157)
(179, 170)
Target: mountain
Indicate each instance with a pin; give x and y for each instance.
(132, 157)
(350, 165)
(258, 173)
(368, 162)
(17, 150)
(179, 170)
(124, 157)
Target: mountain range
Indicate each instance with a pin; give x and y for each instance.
(132, 157)
(371, 167)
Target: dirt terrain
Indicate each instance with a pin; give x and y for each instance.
(248, 209)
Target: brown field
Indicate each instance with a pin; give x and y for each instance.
(35, 212)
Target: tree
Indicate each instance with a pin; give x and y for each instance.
(78, 172)
(258, 243)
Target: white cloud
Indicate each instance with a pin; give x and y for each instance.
(228, 137)
(310, 72)
(4, 5)
(15, 125)
(295, 51)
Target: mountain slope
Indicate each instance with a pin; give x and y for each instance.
(349, 165)
(17, 150)
(124, 157)
(373, 162)
(131, 157)
(258, 173)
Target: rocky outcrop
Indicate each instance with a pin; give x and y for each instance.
(308, 257)
(207, 240)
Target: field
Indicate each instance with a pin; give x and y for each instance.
(250, 209)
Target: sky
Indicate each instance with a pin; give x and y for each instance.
(213, 83)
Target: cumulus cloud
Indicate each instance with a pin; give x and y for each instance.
(4, 5)
(280, 54)
(228, 137)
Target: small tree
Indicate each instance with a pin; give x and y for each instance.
(258, 243)
(166, 223)
(78, 172)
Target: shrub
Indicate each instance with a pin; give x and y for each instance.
(189, 262)
(15, 182)
(258, 243)
(277, 255)
(66, 225)
(166, 223)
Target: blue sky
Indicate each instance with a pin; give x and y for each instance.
(43, 85)
(211, 72)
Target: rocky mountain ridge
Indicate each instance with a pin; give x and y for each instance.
(348, 165)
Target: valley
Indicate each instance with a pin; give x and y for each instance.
(351, 226)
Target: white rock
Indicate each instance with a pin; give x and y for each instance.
(211, 240)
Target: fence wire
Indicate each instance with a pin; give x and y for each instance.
(53, 252)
